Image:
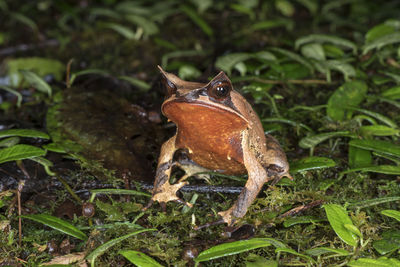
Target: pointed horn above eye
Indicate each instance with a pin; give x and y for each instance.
(220, 77)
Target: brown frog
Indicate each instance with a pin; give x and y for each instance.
(221, 132)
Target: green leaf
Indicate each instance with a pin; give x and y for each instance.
(375, 115)
(285, 7)
(123, 30)
(300, 220)
(34, 80)
(313, 140)
(314, 51)
(372, 202)
(232, 248)
(270, 24)
(188, 72)
(383, 147)
(119, 192)
(353, 229)
(227, 62)
(291, 251)
(14, 92)
(148, 26)
(197, 20)
(392, 213)
(294, 57)
(46, 164)
(380, 262)
(136, 82)
(378, 31)
(321, 38)
(104, 247)
(41, 66)
(57, 224)
(311, 163)
(85, 72)
(337, 217)
(139, 259)
(324, 250)
(20, 152)
(349, 94)
(359, 158)
(24, 133)
(381, 42)
(9, 142)
(25, 20)
(390, 242)
(385, 169)
(345, 68)
(392, 93)
(378, 130)
(54, 147)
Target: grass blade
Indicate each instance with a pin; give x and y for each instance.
(57, 224)
(139, 259)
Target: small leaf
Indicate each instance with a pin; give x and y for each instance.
(291, 251)
(188, 72)
(320, 38)
(285, 7)
(136, 82)
(359, 158)
(294, 57)
(123, 30)
(378, 31)
(349, 94)
(378, 130)
(24, 133)
(324, 250)
(372, 202)
(270, 24)
(383, 147)
(139, 259)
(14, 92)
(385, 169)
(313, 140)
(345, 68)
(85, 72)
(381, 42)
(34, 80)
(104, 247)
(9, 142)
(148, 26)
(392, 213)
(300, 220)
(25, 20)
(314, 51)
(20, 152)
(119, 192)
(337, 217)
(311, 163)
(380, 262)
(392, 93)
(375, 115)
(232, 248)
(353, 229)
(390, 242)
(227, 62)
(57, 224)
(197, 20)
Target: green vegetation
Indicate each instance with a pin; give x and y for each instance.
(324, 76)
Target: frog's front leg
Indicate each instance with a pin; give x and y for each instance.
(257, 176)
(163, 191)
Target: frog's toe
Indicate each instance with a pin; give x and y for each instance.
(217, 222)
(148, 205)
(180, 201)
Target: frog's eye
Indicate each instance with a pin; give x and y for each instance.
(219, 90)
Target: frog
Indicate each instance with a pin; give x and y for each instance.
(220, 132)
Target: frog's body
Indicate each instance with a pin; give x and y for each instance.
(221, 132)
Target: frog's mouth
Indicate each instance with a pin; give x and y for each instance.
(199, 97)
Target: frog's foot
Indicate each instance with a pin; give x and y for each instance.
(227, 216)
(167, 193)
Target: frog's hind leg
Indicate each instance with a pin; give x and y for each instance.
(163, 191)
